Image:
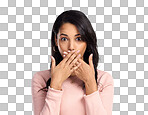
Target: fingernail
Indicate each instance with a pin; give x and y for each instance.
(64, 52)
(63, 55)
(78, 51)
(79, 55)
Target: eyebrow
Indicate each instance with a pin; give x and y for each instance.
(67, 35)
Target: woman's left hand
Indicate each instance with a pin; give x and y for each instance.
(85, 71)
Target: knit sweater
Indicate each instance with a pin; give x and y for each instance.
(72, 99)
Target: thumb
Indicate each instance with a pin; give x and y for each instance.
(91, 60)
(52, 62)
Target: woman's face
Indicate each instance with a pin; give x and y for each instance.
(69, 38)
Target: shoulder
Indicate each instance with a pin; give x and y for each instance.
(104, 78)
(41, 76)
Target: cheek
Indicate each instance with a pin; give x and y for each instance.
(61, 48)
(62, 45)
(83, 48)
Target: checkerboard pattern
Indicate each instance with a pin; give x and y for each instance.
(121, 27)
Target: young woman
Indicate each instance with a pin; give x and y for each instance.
(73, 85)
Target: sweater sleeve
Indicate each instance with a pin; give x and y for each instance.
(45, 103)
(100, 102)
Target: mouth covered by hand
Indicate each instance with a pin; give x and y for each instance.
(66, 53)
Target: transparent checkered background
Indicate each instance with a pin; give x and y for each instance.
(122, 36)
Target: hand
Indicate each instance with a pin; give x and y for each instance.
(64, 69)
(85, 71)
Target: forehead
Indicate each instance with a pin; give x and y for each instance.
(68, 28)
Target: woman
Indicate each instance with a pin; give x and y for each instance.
(73, 85)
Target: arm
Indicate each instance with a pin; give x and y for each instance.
(100, 103)
(45, 103)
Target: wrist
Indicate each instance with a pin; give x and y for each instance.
(90, 81)
(91, 86)
(56, 85)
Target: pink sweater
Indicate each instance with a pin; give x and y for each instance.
(72, 99)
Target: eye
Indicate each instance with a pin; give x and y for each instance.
(62, 39)
(79, 38)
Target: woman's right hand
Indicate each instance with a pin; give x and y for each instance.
(64, 69)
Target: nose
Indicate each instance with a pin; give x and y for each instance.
(71, 46)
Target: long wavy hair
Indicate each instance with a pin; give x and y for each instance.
(87, 33)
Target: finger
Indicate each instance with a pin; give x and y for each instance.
(64, 54)
(76, 64)
(73, 56)
(91, 60)
(68, 56)
(75, 68)
(52, 62)
(75, 61)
